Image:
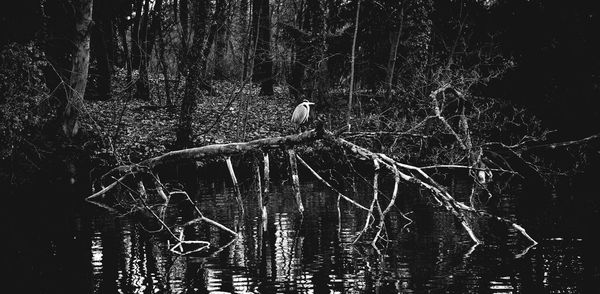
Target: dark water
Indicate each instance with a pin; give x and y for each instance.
(85, 249)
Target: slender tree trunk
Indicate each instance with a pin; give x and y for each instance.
(296, 74)
(126, 54)
(393, 57)
(103, 65)
(155, 27)
(110, 36)
(349, 115)
(100, 39)
(79, 67)
(136, 41)
(104, 71)
(183, 21)
(299, 59)
(142, 88)
(194, 75)
(320, 31)
(164, 67)
(263, 63)
(143, 84)
(212, 31)
(244, 25)
(220, 38)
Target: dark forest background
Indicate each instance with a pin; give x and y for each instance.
(539, 55)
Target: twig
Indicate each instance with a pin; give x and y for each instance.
(107, 188)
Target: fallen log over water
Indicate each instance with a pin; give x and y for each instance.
(121, 174)
(468, 216)
(222, 150)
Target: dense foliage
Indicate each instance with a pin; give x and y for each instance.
(23, 91)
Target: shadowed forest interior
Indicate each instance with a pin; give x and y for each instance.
(171, 121)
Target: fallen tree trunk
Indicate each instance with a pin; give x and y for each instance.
(229, 149)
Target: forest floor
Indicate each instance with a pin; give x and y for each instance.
(132, 130)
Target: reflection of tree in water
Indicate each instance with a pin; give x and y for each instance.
(301, 254)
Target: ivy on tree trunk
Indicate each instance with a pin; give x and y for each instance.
(193, 79)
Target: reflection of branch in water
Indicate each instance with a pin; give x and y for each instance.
(462, 212)
(202, 217)
(103, 206)
(374, 201)
(339, 212)
(178, 248)
(410, 221)
(142, 195)
(139, 198)
(389, 207)
(525, 251)
(329, 185)
(471, 250)
(107, 188)
(296, 243)
(223, 247)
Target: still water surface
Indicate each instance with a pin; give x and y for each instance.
(93, 251)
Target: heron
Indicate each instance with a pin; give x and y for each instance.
(301, 113)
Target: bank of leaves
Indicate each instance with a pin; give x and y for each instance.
(131, 130)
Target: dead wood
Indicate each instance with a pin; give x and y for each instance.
(466, 215)
(219, 150)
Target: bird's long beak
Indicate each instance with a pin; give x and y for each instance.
(311, 103)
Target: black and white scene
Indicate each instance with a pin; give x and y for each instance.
(300, 146)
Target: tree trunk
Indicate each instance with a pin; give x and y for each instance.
(349, 114)
(194, 75)
(183, 22)
(393, 57)
(100, 39)
(319, 31)
(244, 39)
(220, 38)
(299, 61)
(164, 67)
(263, 64)
(212, 31)
(100, 53)
(136, 35)
(79, 67)
(142, 83)
(142, 88)
(122, 26)
(104, 70)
